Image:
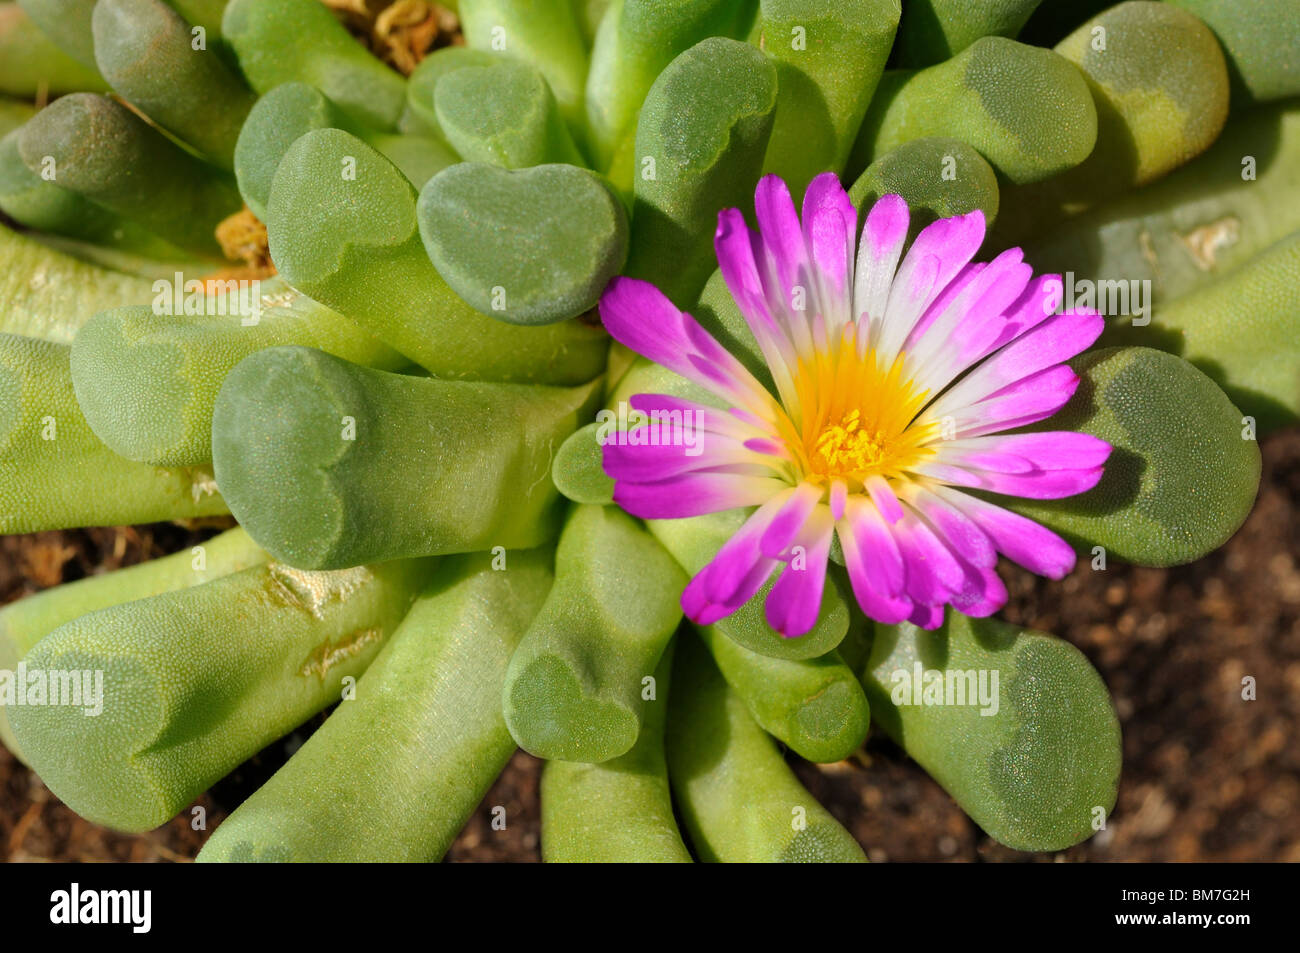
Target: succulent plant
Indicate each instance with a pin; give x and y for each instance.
(532, 441)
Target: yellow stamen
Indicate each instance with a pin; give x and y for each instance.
(857, 418)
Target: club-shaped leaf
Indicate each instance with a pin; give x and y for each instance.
(1184, 470)
(146, 51)
(343, 229)
(532, 246)
(186, 694)
(1027, 110)
(935, 30)
(98, 147)
(1258, 43)
(1017, 726)
(1160, 85)
(422, 732)
(619, 811)
(47, 294)
(147, 381)
(503, 114)
(54, 471)
(813, 706)
(292, 110)
(27, 621)
(938, 177)
(40, 204)
(1191, 227)
(544, 33)
(738, 799)
(637, 39)
(575, 689)
(278, 41)
(68, 24)
(829, 58)
(367, 465)
(700, 140)
(578, 472)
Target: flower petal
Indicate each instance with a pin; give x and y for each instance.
(694, 494)
(796, 598)
(638, 315)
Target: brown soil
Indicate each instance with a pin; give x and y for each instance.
(1207, 776)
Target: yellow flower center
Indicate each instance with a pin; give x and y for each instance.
(847, 447)
(856, 418)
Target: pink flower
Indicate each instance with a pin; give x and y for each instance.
(895, 384)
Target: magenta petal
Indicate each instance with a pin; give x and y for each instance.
(1025, 402)
(932, 573)
(830, 223)
(886, 227)
(736, 571)
(1020, 539)
(788, 524)
(1056, 340)
(1047, 450)
(877, 549)
(778, 223)
(638, 315)
(958, 532)
(693, 494)
(927, 616)
(795, 600)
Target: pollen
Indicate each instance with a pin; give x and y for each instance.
(847, 447)
(857, 417)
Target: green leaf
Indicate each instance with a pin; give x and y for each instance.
(343, 229)
(99, 148)
(700, 141)
(533, 246)
(412, 783)
(829, 58)
(1243, 331)
(278, 41)
(1027, 741)
(292, 110)
(147, 378)
(575, 687)
(44, 206)
(1183, 475)
(146, 51)
(578, 471)
(935, 30)
(738, 799)
(30, 619)
(54, 471)
(619, 811)
(503, 114)
(1259, 45)
(1193, 226)
(30, 61)
(47, 294)
(197, 680)
(1161, 90)
(544, 33)
(372, 465)
(421, 113)
(938, 177)
(635, 42)
(68, 24)
(813, 706)
(1027, 110)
